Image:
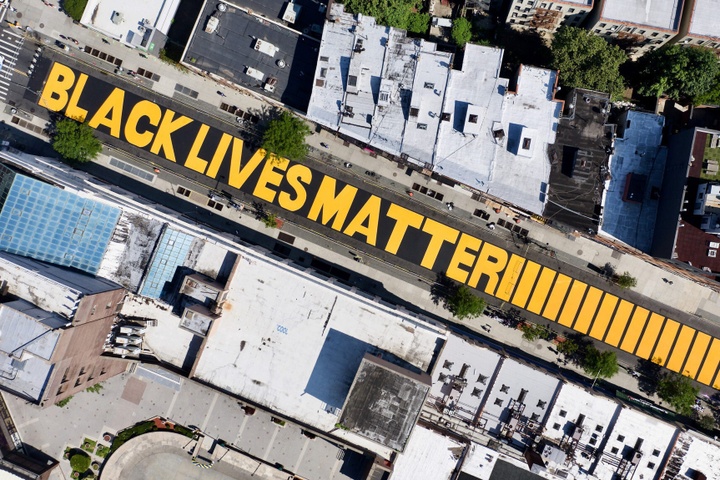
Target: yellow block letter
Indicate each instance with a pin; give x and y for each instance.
(163, 139)
(110, 113)
(440, 234)
(370, 213)
(239, 173)
(219, 155)
(297, 175)
(147, 109)
(55, 92)
(332, 205)
(193, 160)
(462, 256)
(491, 261)
(72, 110)
(404, 218)
(268, 176)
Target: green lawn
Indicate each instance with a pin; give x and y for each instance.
(711, 155)
(89, 445)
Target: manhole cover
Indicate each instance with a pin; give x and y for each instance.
(580, 252)
(394, 174)
(42, 25)
(18, 15)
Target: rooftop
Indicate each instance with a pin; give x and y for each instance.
(47, 223)
(703, 21)
(133, 22)
(651, 13)
(384, 402)
(28, 340)
(428, 455)
(479, 462)
(401, 95)
(578, 161)
(49, 287)
(229, 52)
(635, 432)
(630, 199)
(695, 453)
(309, 19)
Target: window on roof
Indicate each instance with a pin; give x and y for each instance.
(544, 5)
(614, 450)
(526, 143)
(498, 402)
(656, 453)
(621, 438)
(592, 441)
(324, 59)
(352, 80)
(571, 10)
(476, 392)
(482, 379)
(563, 413)
(473, 118)
(603, 25)
(651, 465)
(323, 72)
(599, 428)
(445, 117)
(414, 112)
(654, 34)
(556, 426)
(422, 126)
(384, 96)
(429, 85)
(558, 8)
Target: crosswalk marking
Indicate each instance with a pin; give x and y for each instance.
(10, 46)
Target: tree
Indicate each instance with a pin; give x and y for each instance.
(418, 23)
(80, 461)
(707, 421)
(678, 72)
(461, 32)
(75, 141)
(568, 347)
(710, 97)
(463, 304)
(587, 61)
(678, 391)
(600, 364)
(285, 137)
(74, 8)
(393, 13)
(626, 280)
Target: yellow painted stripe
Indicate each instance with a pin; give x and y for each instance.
(587, 312)
(697, 353)
(526, 284)
(617, 327)
(650, 336)
(602, 319)
(542, 288)
(634, 329)
(710, 365)
(567, 317)
(510, 278)
(667, 337)
(680, 350)
(556, 297)
(716, 383)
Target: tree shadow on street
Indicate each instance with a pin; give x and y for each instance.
(442, 289)
(649, 375)
(521, 48)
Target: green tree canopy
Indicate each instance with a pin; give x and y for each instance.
(75, 141)
(74, 8)
(710, 97)
(678, 72)
(418, 23)
(600, 364)
(285, 137)
(461, 32)
(463, 303)
(394, 13)
(587, 61)
(626, 280)
(678, 391)
(80, 461)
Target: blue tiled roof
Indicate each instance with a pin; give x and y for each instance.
(171, 252)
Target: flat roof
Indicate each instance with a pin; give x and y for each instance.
(578, 160)
(637, 152)
(131, 21)
(462, 357)
(512, 379)
(597, 413)
(49, 287)
(384, 402)
(663, 14)
(428, 455)
(479, 462)
(299, 353)
(229, 51)
(633, 428)
(697, 452)
(704, 18)
(309, 20)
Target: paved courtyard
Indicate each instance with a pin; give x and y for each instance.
(149, 392)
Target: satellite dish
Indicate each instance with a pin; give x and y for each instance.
(222, 7)
(281, 63)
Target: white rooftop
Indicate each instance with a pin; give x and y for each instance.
(704, 19)
(400, 95)
(428, 454)
(297, 352)
(477, 364)
(130, 21)
(634, 428)
(578, 2)
(663, 14)
(597, 416)
(513, 381)
(698, 453)
(639, 153)
(479, 461)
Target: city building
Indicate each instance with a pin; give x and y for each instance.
(639, 26)
(698, 26)
(687, 224)
(55, 322)
(693, 456)
(464, 124)
(547, 16)
(632, 193)
(55, 225)
(141, 24)
(429, 454)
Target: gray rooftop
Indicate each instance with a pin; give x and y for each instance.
(637, 152)
(52, 288)
(663, 14)
(229, 51)
(401, 95)
(704, 18)
(384, 402)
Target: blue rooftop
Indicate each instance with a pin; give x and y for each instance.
(47, 223)
(171, 252)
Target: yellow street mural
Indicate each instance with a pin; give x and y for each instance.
(382, 224)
